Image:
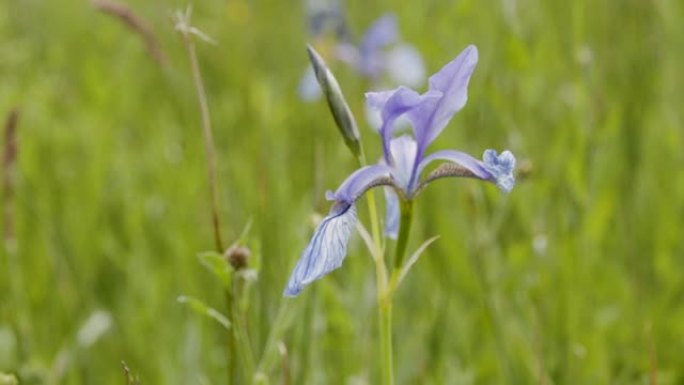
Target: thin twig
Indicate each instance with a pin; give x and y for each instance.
(282, 349)
(652, 356)
(187, 32)
(8, 173)
(136, 24)
(130, 378)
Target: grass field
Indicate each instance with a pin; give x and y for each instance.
(575, 277)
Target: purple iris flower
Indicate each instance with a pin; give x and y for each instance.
(402, 165)
(380, 53)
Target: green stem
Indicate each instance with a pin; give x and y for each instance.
(383, 294)
(372, 211)
(386, 292)
(269, 355)
(232, 347)
(404, 230)
(385, 324)
(244, 347)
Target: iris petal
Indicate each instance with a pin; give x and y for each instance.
(462, 159)
(393, 213)
(452, 81)
(328, 246)
(359, 182)
(327, 249)
(394, 104)
(493, 168)
(403, 150)
(501, 167)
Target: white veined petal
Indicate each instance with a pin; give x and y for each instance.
(326, 251)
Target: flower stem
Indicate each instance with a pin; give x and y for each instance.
(376, 253)
(404, 230)
(385, 325)
(208, 137)
(245, 352)
(372, 211)
(383, 291)
(385, 297)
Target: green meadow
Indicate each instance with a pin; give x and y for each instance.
(575, 277)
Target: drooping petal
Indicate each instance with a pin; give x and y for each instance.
(327, 249)
(501, 167)
(393, 213)
(359, 182)
(452, 81)
(462, 159)
(405, 65)
(308, 89)
(494, 168)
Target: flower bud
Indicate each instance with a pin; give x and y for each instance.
(338, 105)
(237, 256)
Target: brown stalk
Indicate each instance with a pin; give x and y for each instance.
(187, 31)
(8, 172)
(124, 14)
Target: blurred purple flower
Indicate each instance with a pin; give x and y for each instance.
(403, 163)
(380, 54)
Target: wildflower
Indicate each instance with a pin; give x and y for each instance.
(379, 54)
(403, 163)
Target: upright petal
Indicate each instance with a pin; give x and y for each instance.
(452, 81)
(360, 181)
(394, 104)
(377, 100)
(327, 249)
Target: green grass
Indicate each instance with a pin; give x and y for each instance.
(576, 277)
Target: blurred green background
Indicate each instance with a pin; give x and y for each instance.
(576, 277)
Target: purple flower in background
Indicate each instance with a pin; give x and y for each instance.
(380, 54)
(403, 163)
